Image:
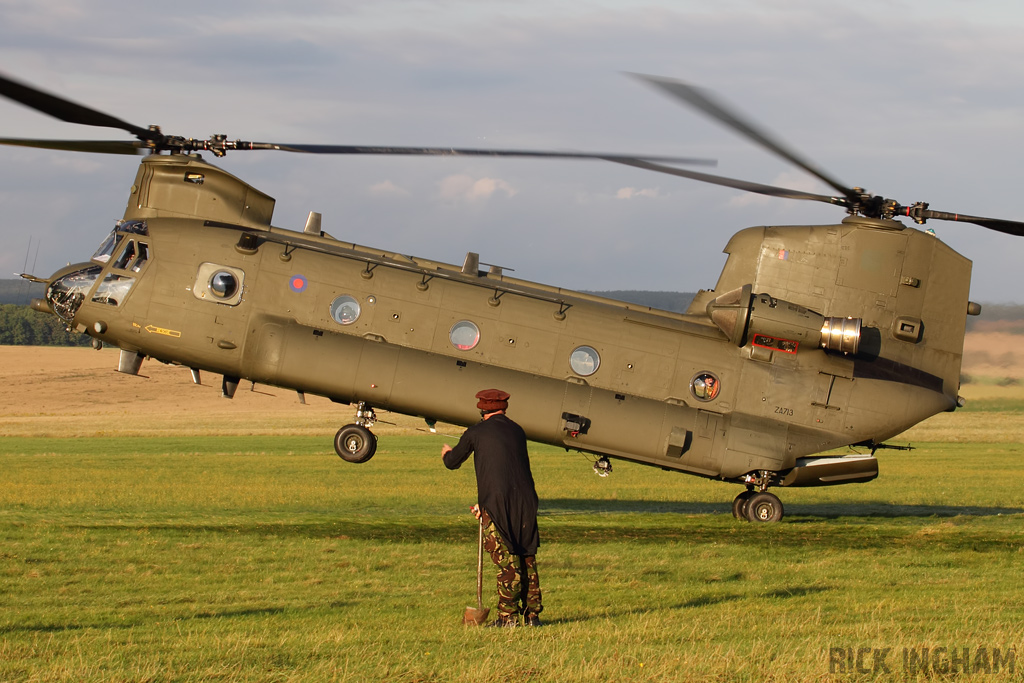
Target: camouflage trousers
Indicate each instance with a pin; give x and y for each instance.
(518, 581)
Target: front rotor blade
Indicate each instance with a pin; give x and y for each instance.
(706, 103)
(95, 146)
(66, 110)
(746, 185)
(462, 151)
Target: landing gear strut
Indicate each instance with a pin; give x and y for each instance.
(756, 504)
(355, 442)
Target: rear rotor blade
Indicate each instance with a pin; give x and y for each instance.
(1015, 228)
(746, 185)
(66, 110)
(921, 214)
(706, 103)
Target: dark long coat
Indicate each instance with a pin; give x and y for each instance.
(504, 482)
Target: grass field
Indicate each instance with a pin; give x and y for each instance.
(134, 551)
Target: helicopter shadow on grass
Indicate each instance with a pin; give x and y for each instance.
(894, 510)
(236, 613)
(697, 602)
(583, 521)
(566, 507)
(560, 507)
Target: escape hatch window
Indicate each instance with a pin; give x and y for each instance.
(219, 284)
(464, 335)
(584, 361)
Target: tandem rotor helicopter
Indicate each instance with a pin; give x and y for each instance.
(814, 338)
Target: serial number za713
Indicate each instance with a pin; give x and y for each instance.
(779, 410)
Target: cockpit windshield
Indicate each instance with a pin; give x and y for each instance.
(109, 244)
(67, 294)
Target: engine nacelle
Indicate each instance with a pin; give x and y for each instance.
(741, 314)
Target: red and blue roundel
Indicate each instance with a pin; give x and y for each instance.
(298, 283)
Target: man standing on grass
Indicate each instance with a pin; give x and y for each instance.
(507, 505)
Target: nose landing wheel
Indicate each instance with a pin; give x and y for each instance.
(355, 442)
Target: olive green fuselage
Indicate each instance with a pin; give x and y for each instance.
(776, 398)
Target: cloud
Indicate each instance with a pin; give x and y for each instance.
(387, 188)
(790, 180)
(461, 187)
(633, 193)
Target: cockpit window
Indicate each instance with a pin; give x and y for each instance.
(109, 244)
(126, 256)
(102, 254)
(133, 257)
(113, 289)
(133, 227)
(141, 259)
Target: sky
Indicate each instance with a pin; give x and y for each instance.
(916, 100)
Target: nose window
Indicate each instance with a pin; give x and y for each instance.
(67, 294)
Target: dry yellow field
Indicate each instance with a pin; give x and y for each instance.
(994, 355)
(990, 360)
(77, 392)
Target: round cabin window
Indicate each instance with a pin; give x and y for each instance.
(345, 310)
(584, 361)
(705, 386)
(464, 335)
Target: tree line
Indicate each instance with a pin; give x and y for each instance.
(21, 326)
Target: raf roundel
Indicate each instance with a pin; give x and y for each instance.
(298, 283)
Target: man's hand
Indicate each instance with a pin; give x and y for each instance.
(475, 510)
(445, 449)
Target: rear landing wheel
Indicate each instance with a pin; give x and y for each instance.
(355, 443)
(764, 507)
(739, 505)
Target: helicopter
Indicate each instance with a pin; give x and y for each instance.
(814, 338)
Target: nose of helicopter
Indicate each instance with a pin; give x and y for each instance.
(67, 290)
(41, 305)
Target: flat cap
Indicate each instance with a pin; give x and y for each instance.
(491, 400)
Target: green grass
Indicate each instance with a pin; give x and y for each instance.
(269, 559)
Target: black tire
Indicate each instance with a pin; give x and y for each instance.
(355, 443)
(739, 505)
(764, 507)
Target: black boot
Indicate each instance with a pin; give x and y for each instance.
(505, 621)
